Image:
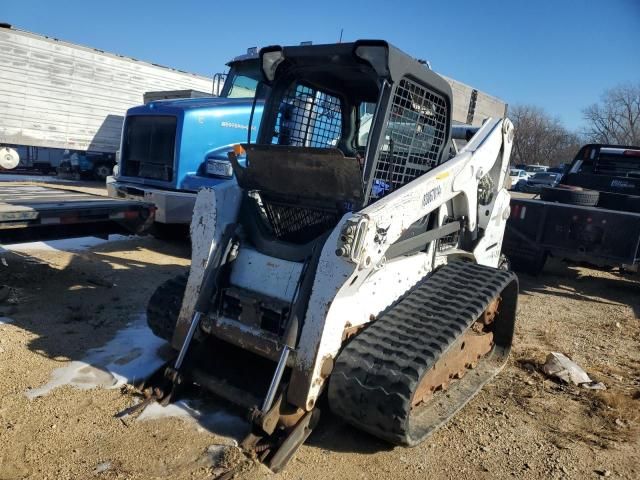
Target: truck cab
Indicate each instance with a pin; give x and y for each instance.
(170, 149)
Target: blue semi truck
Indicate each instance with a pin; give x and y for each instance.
(170, 149)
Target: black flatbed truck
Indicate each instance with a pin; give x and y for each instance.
(38, 213)
(592, 217)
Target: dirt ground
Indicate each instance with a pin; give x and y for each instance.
(522, 425)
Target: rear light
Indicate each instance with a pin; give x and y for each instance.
(631, 153)
(126, 215)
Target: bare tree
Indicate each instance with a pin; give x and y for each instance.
(539, 138)
(616, 119)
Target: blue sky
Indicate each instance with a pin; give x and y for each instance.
(557, 54)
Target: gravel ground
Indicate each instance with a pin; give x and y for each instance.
(63, 304)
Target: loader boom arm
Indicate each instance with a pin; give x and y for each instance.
(456, 180)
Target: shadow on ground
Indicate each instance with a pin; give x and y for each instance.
(576, 283)
(334, 435)
(79, 302)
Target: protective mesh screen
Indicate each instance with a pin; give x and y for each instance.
(414, 136)
(298, 224)
(308, 118)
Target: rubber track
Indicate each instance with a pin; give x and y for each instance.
(164, 307)
(376, 374)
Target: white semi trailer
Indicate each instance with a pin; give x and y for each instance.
(58, 99)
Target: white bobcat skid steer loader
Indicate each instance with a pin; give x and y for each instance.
(356, 256)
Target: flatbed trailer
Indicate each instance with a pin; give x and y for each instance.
(36, 213)
(597, 236)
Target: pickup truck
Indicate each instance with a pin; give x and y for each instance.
(592, 216)
(38, 213)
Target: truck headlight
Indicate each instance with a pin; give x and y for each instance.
(219, 168)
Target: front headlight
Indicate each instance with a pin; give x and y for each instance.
(219, 168)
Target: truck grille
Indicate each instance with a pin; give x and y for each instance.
(148, 146)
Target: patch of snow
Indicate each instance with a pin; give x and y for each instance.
(210, 416)
(133, 354)
(65, 245)
(102, 467)
(6, 320)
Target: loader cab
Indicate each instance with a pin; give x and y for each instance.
(335, 139)
(375, 102)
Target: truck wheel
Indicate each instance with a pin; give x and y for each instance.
(570, 196)
(619, 201)
(101, 171)
(164, 307)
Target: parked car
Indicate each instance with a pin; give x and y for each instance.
(532, 169)
(562, 168)
(541, 179)
(518, 178)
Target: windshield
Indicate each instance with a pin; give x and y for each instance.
(535, 168)
(514, 172)
(242, 80)
(242, 87)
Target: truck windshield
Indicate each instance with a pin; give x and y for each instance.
(242, 80)
(242, 87)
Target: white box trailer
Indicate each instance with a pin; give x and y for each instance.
(58, 95)
(471, 106)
